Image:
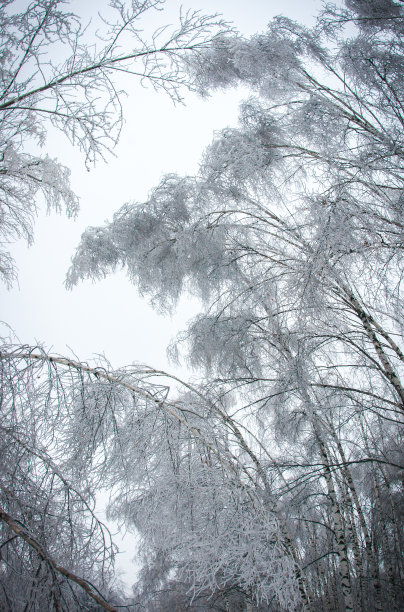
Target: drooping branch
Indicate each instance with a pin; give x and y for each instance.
(21, 532)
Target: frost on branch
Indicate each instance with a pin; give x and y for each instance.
(55, 550)
(80, 94)
(161, 243)
(292, 233)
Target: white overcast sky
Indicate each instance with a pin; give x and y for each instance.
(109, 317)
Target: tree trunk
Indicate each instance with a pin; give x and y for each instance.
(339, 534)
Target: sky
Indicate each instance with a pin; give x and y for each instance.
(109, 317)
(158, 138)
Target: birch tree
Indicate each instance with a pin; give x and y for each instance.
(291, 236)
(54, 73)
(60, 417)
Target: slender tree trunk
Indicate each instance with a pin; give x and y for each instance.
(396, 589)
(368, 542)
(334, 585)
(387, 556)
(302, 583)
(339, 533)
(369, 326)
(323, 592)
(347, 513)
(338, 522)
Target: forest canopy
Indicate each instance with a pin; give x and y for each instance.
(273, 480)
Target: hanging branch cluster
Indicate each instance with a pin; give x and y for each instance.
(52, 72)
(70, 431)
(292, 236)
(275, 482)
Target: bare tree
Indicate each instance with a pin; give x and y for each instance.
(275, 481)
(292, 236)
(52, 72)
(60, 418)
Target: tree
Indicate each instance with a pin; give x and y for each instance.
(63, 429)
(291, 235)
(53, 73)
(55, 553)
